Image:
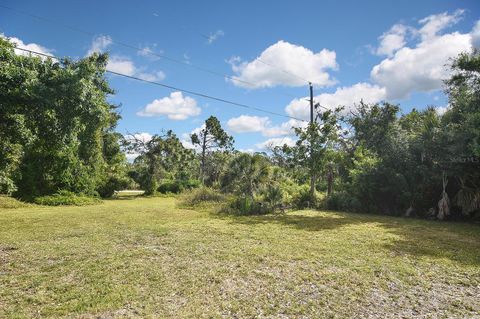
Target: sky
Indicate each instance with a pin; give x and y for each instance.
(258, 53)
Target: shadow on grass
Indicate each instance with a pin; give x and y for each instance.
(453, 241)
(459, 242)
(301, 222)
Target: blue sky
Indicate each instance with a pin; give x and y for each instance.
(375, 50)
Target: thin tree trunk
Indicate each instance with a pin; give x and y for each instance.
(330, 182)
(204, 147)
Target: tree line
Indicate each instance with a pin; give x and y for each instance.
(57, 133)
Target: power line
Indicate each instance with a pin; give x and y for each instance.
(132, 47)
(174, 88)
(168, 58)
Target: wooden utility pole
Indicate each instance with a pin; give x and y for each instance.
(312, 174)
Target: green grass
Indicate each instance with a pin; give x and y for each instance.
(145, 257)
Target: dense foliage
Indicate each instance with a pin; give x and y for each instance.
(57, 143)
(56, 127)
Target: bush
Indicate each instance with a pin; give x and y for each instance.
(65, 198)
(170, 187)
(274, 197)
(10, 202)
(202, 194)
(342, 201)
(114, 183)
(178, 186)
(245, 206)
(302, 199)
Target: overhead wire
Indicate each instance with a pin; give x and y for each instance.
(163, 56)
(175, 88)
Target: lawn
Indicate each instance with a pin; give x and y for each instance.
(146, 257)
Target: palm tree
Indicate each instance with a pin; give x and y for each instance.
(245, 174)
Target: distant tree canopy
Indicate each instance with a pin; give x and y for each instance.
(162, 158)
(57, 134)
(56, 126)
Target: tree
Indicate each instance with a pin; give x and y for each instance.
(460, 132)
(211, 136)
(54, 117)
(246, 174)
(314, 141)
(163, 157)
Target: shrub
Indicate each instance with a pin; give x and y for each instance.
(273, 196)
(302, 199)
(247, 206)
(65, 198)
(177, 186)
(342, 201)
(170, 187)
(114, 183)
(10, 202)
(202, 194)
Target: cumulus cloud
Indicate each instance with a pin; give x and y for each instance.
(126, 66)
(343, 96)
(263, 125)
(27, 46)
(214, 36)
(276, 141)
(247, 123)
(121, 64)
(423, 67)
(187, 141)
(476, 35)
(392, 40)
(435, 23)
(175, 107)
(157, 76)
(100, 44)
(285, 64)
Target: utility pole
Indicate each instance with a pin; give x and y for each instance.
(312, 174)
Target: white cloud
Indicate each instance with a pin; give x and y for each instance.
(214, 36)
(27, 46)
(158, 76)
(143, 137)
(476, 35)
(343, 96)
(423, 67)
(273, 142)
(121, 64)
(175, 107)
(126, 66)
(392, 40)
(100, 44)
(278, 62)
(148, 52)
(441, 109)
(187, 141)
(263, 125)
(247, 123)
(433, 24)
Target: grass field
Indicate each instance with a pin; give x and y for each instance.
(146, 257)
